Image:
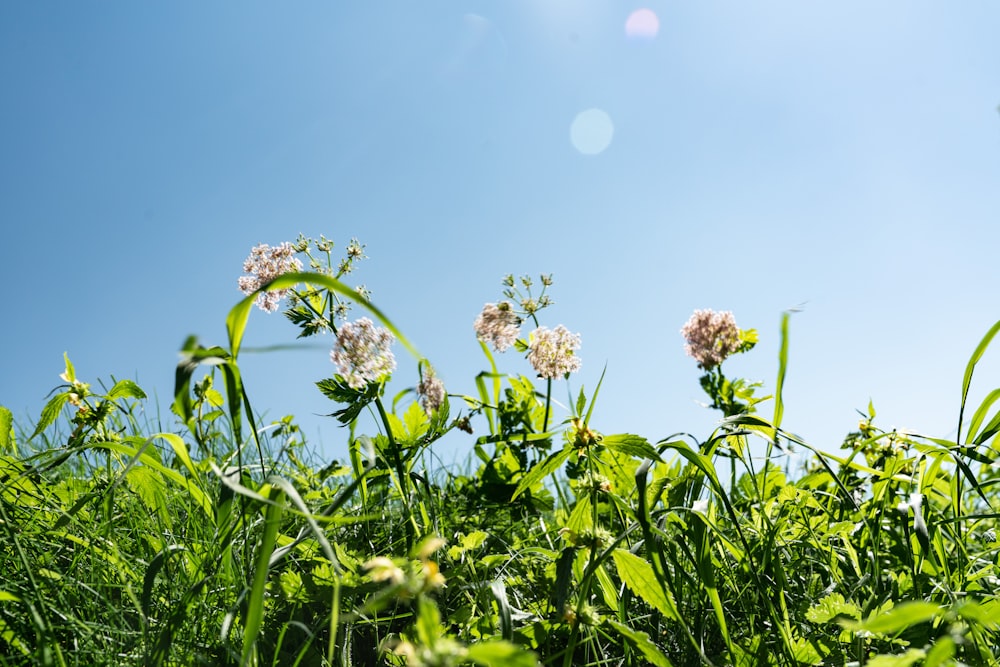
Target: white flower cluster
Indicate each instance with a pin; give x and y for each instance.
(498, 325)
(264, 264)
(362, 352)
(550, 351)
(431, 392)
(711, 337)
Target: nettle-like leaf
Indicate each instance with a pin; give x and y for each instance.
(643, 643)
(50, 412)
(833, 608)
(633, 445)
(337, 389)
(638, 575)
(126, 389)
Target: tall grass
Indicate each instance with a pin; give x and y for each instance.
(228, 542)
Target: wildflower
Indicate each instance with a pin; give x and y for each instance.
(264, 264)
(431, 392)
(362, 352)
(498, 325)
(432, 577)
(355, 250)
(711, 337)
(381, 569)
(550, 351)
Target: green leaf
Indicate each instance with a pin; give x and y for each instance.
(6, 424)
(638, 575)
(415, 421)
(642, 642)
(499, 653)
(255, 600)
(779, 404)
(582, 516)
(50, 412)
(154, 567)
(832, 608)
(911, 657)
(541, 471)
(70, 371)
(152, 490)
(236, 321)
(967, 378)
(632, 445)
(941, 652)
(126, 388)
(428, 622)
(564, 576)
(897, 619)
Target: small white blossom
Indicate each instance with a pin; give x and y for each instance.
(498, 325)
(264, 264)
(711, 337)
(431, 392)
(550, 351)
(362, 352)
(381, 568)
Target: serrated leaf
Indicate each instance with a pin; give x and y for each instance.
(541, 471)
(50, 412)
(638, 575)
(581, 402)
(151, 489)
(643, 643)
(415, 420)
(633, 445)
(831, 608)
(70, 371)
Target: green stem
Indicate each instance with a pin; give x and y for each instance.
(401, 474)
(548, 404)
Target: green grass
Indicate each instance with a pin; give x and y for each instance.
(219, 542)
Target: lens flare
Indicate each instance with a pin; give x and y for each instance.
(642, 24)
(591, 131)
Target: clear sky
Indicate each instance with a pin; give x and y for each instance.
(839, 157)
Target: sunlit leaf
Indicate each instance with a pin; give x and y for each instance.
(641, 641)
(638, 575)
(500, 653)
(126, 389)
(633, 445)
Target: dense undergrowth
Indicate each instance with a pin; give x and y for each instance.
(223, 541)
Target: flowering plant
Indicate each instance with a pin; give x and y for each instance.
(711, 337)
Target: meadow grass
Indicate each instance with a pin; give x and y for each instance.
(222, 541)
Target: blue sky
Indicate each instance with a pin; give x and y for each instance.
(843, 158)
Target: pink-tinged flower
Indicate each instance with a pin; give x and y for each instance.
(362, 352)
(711, 337)
(431, 392)
(264, 264)
(498, 325)
(550, 351)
